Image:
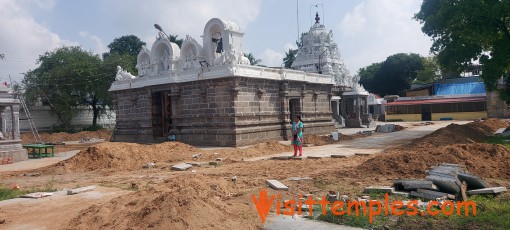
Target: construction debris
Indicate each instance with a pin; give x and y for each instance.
(379, 189)
(36, 195)
(150, 165)
(443, 181)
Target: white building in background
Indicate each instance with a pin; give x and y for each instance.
(319, 53)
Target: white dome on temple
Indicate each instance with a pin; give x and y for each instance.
(319, 53)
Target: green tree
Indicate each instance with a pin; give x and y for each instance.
(392, 76)
(253, 59)
(430, 72)
(65, 79)
(367, 76)
(463, 31)
(173, 38)
(289, 58)
(126, 45)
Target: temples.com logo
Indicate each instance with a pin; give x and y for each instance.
(371, 208)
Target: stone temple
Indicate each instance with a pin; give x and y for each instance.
(207, 93)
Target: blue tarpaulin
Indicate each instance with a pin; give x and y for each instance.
(457, 89)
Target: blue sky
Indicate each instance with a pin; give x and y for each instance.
(366, 31)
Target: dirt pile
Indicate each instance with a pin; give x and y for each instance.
(61, 137)
(125, 156)
(194, 202)
(447, 145)
(317, 140)
(118, 156)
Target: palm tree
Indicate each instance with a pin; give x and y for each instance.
(253, 60)
(289, 58)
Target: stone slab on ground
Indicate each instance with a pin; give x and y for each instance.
(362, 154)
(445, 183)
(80, 190)
(281, 158)
(500, 131)
(338, 156)
(472, 181)
(400, 193)
(314, 157)
(181, 167)
(416, 184)
(379, 189)
(296, 158)
(277, 185)
(36, 195)
(436, 193)
(492, 190)
(198, 163)
(300, 178)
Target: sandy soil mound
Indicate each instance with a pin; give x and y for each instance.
(194, 202)
(60, 137)
(115, 156)
(451, 145)
(317, 140)
(486, 160)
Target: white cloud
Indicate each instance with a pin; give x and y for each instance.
(376, 29)
(178, 17)
(271, 58)
(99, 46)
(23, 40)
(288, 46)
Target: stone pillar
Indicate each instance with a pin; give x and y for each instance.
(358, 108)
(15, 121)
(3, 116)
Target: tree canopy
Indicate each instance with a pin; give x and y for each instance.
(463, 31)
(289, 58)
(253, 59)
(392, 76)
(65, 79)
(128, 44)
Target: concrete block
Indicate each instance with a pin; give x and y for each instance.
(37, 195)
(362, 154)
(338, 156)
(181, 167)
(472, 181)
(80, 190)
(446, 183)
(426, 196)
(379, 189)
(485, 191)
(439, 194)
(277, 185)
(297, 158)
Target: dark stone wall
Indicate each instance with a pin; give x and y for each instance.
(230, 111)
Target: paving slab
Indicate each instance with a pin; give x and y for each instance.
(439, 194)
(338, 156)
(415, 184)
(362, 154)
(296, 158)
(472, 181)
(400, 193)
(181, 167)
(81, 190)
(36, 195)
(379, 189)
(277, 185)
(492, 190)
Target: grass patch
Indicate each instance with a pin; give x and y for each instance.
(502, 140)
(9, 193)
